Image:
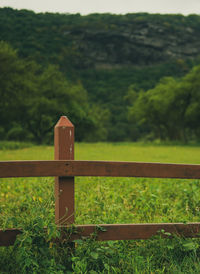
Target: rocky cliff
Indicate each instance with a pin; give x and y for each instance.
(139, 42)
(101, 40)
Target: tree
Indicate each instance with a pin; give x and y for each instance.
(33, 98)
(171, 109)
(162, 109)
(191, 85)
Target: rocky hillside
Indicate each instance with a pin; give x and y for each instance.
(139, 42)
(101, 40)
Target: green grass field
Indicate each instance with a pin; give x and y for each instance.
(29, 203)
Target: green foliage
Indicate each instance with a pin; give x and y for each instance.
(96, 58)
(33, 98)
(170, 110)
(36, 250)
(109, 88)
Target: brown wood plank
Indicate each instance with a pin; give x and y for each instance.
(32, 168)
(64, 186)
(135, 231)
(8, 236)
(133, 169)
(115, 231)
(98, 168)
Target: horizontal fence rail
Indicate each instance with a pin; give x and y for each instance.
(64, 168)
(106, 232)
(72, 168)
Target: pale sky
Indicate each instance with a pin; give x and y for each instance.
(101, 6)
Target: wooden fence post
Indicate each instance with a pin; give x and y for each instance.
(64, 186)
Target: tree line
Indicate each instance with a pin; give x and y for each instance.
(49, 67)
(33, 98)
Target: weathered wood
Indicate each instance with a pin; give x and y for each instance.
(8, 236)
(98, 168)
(32, 169)
(114, 232)
(133, 169)
(64, 186)
(134, 231)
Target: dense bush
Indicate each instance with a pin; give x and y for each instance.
(171, 109)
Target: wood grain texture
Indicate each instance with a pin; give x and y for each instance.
(133, 169)
(32, 168)
(64, 186)
(8, 236)
(135, 231)
(114, 232)
(97, 168)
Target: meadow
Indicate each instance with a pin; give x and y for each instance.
(28, 203)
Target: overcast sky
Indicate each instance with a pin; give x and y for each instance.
(112, 6)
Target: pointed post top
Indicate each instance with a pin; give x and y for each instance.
(64, 122)
(64, 186)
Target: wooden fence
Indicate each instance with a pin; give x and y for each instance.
(65, 168)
